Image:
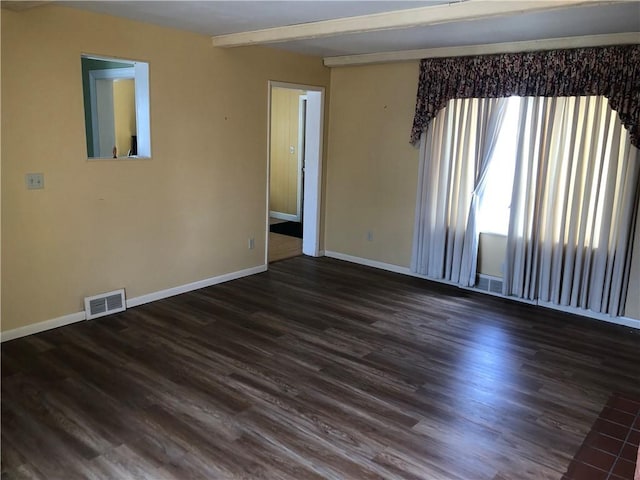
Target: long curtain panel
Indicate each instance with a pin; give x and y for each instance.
(491, 117)
(453, 156)
(573, 205)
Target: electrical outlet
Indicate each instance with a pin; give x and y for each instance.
(252, 243)
(370, 236)
(34, 181)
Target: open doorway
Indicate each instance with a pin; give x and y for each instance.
(294, 168)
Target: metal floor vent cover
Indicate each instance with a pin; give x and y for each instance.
(105, 304)
(489, 284)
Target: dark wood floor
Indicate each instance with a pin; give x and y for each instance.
(314, 369)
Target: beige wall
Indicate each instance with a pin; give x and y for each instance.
(491, 252)
(124, 113)
(283, 194)
(372, 172)
(146, 225)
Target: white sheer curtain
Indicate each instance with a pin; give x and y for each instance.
(454, 154)
(490, 117)
(573, 205)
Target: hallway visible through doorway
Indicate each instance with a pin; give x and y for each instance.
(294, 170)
(282, 246)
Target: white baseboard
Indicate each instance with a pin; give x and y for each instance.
(284, 216)
(369, 263)
(42, 326)
(170, 292)
(132, 302)
(625, 321)
(628, 322)
(390, 267)
(207, 282)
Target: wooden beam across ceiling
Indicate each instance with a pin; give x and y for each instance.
(398, 19)
(629, 38)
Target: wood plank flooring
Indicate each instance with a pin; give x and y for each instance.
(283, 246)
(316, 369)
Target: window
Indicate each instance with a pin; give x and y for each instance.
(572, 208)
(494, 211)
(493, 214)
(116, 107)
(559, 182)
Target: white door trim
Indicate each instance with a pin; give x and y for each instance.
(94, 76)
(302, 128)
(314, 134)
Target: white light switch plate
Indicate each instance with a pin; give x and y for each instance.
(34, 180)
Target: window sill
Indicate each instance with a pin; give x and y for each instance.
(132, 157)
(495, 235)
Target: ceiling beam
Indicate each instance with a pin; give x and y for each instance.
(487, 49)
(397, 19)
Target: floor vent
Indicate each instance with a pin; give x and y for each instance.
(489, 284)
(105, 304)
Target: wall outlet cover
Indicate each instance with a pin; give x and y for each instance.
(34, 181)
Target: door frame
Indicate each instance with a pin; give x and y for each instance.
(313, 151)
(104, 121)
(302, 128)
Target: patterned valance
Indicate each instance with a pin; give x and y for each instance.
(613, 72)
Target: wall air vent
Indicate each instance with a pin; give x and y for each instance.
(489, 284)
(482, 283)
(105, 304)
(495, 286)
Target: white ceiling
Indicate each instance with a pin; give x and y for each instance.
(592, 20)
(214, 17)
(227, 17)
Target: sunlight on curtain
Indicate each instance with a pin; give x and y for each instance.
(489, 154)
(493, 211)
(454, 155)
(573, 205)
